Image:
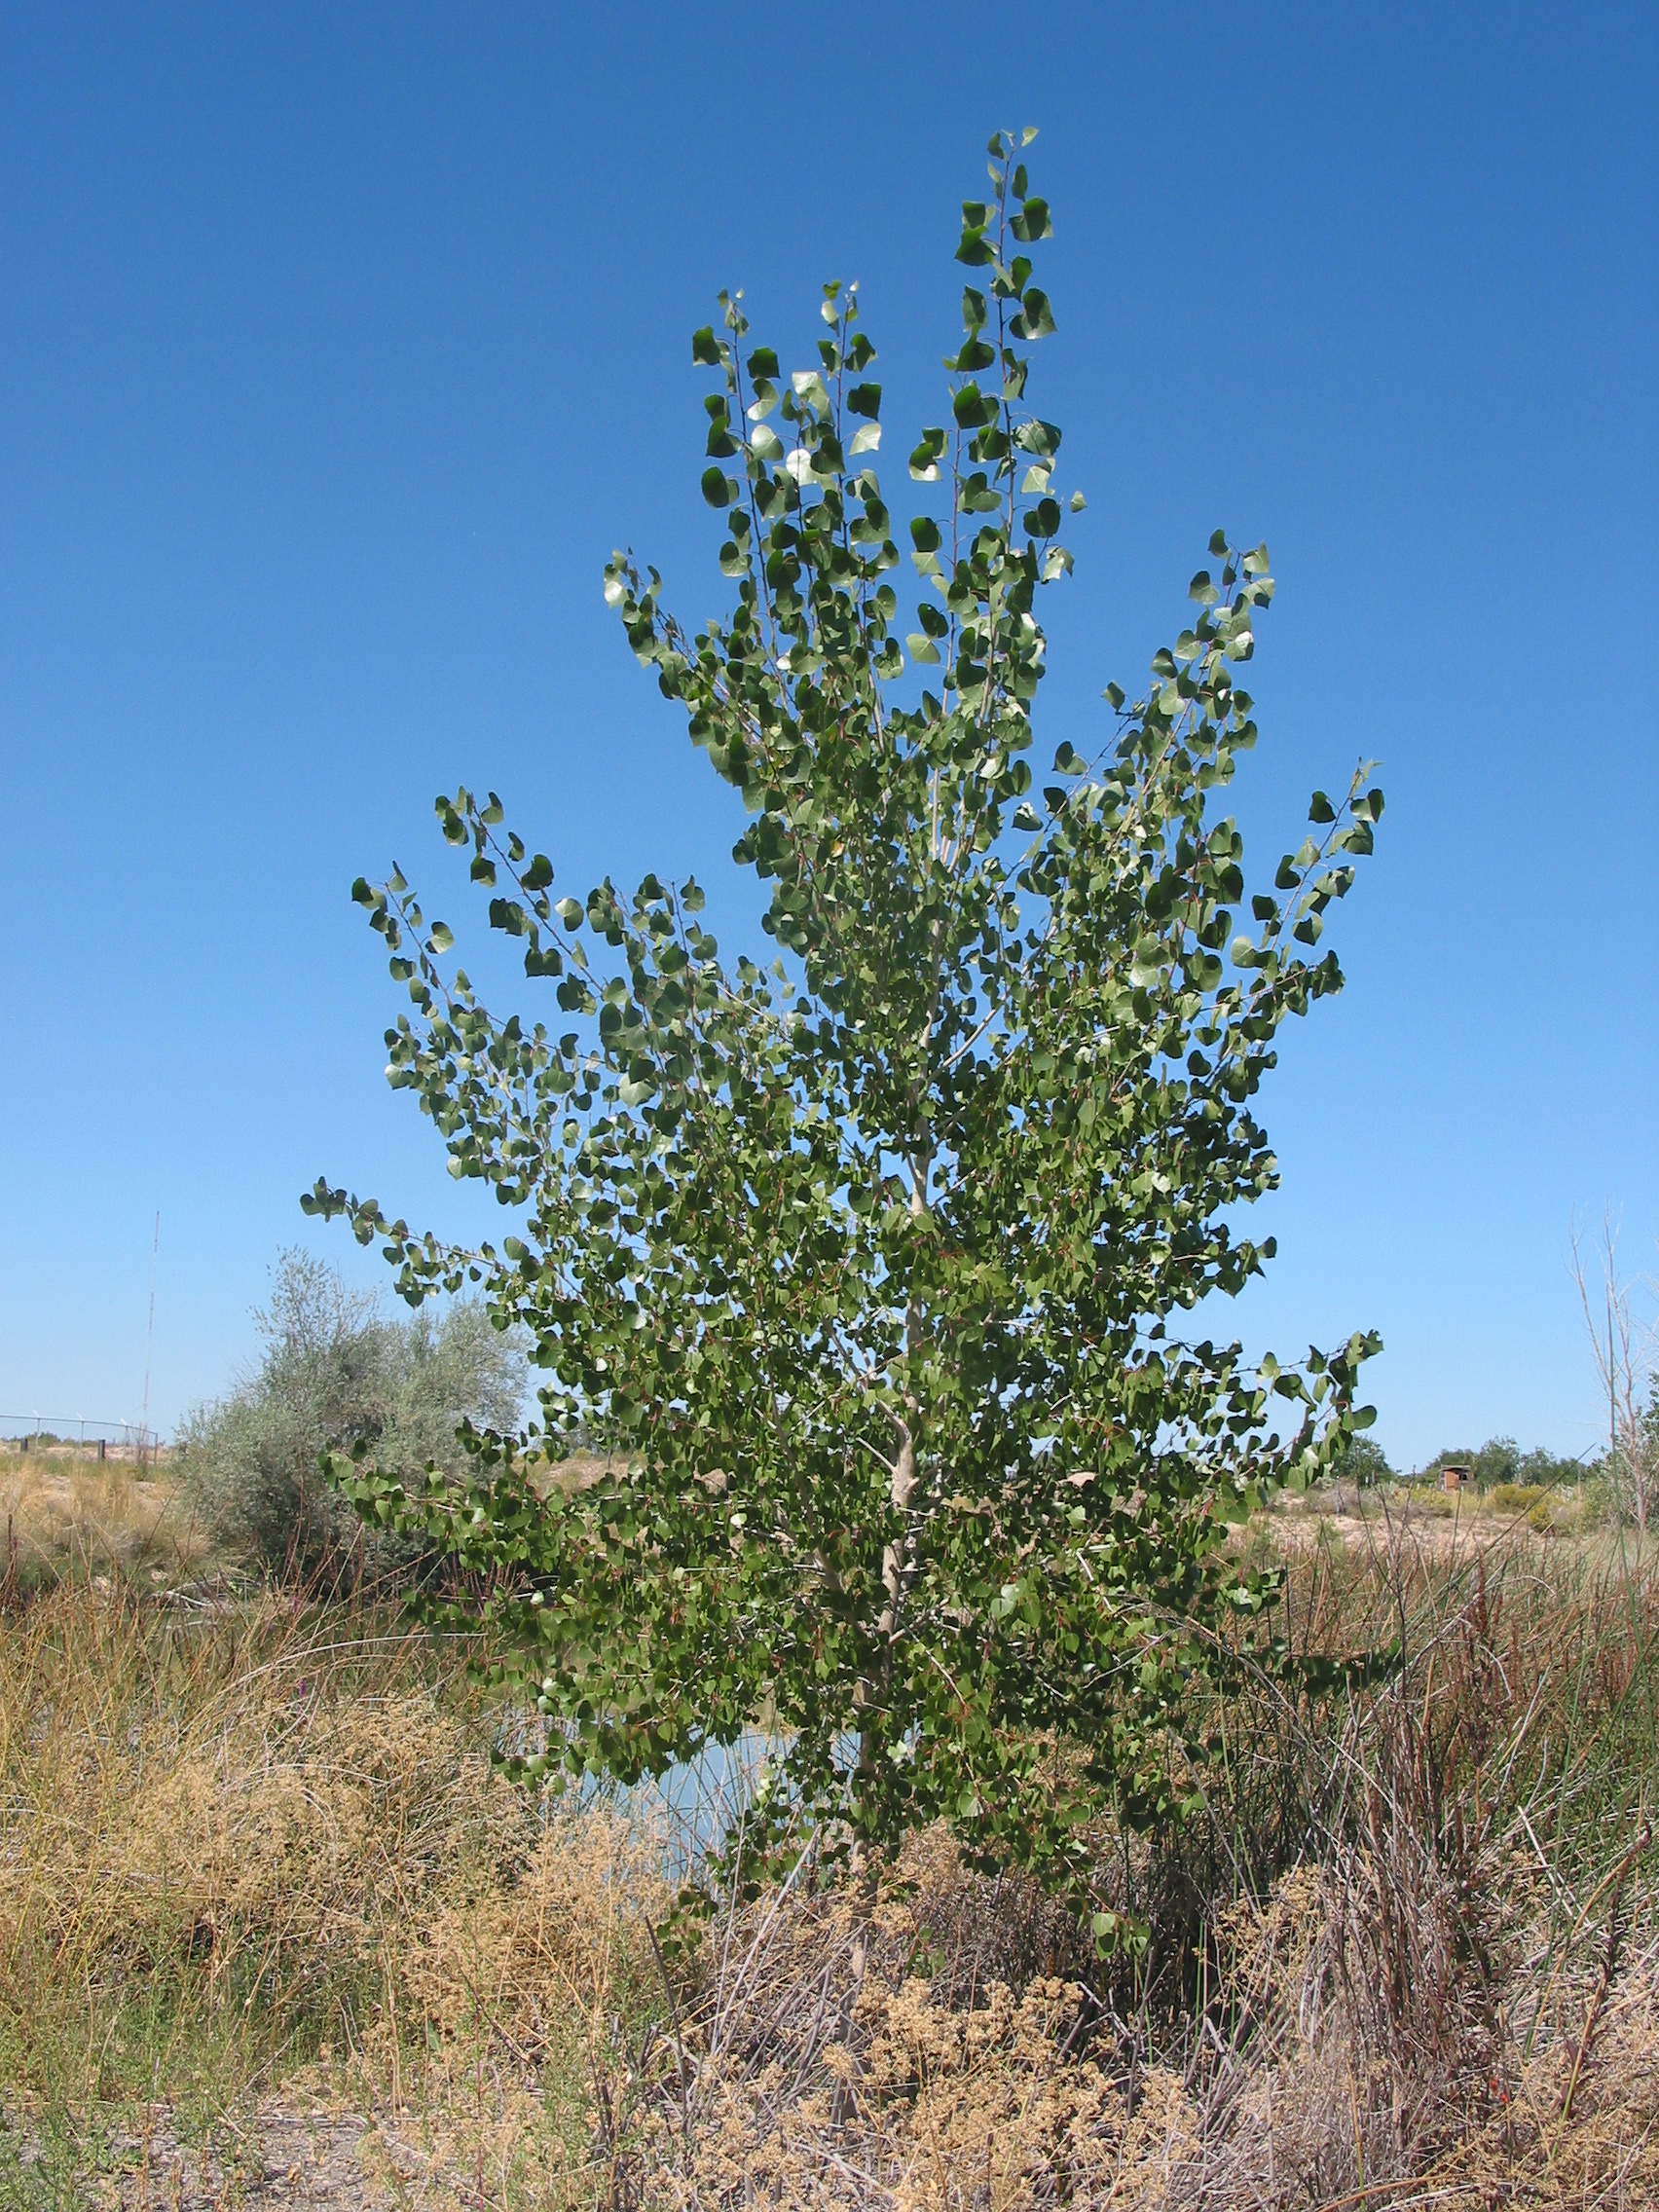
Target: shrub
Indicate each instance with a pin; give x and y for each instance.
(1542, 1469)
(1530, 1498)
(335, 1372)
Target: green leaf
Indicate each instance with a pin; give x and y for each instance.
(1032, 223)
(1043, 438)
(971, 408)
(705, 347)
(924, 462)
(719, 488)
(972, 354)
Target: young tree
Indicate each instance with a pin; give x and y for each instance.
(867, 1264)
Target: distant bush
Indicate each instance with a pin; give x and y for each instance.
(1600, 1504)
(1515, 1497)
(333, 1371)
(1547, 1468)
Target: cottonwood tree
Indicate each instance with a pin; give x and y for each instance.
(868, 1267)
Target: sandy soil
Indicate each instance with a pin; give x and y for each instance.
(291, 2151)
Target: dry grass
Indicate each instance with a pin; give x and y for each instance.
(260, 1882)
(253, 1849)
(69, 1515)
(814, 2083)
(1450, 1522)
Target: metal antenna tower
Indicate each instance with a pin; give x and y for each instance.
(150, 1339)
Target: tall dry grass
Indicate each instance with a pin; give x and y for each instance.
(252, 1855)
(66, 1515)
(248, 1846)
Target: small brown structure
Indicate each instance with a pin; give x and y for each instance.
(1456, 1477)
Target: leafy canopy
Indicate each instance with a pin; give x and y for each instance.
(867, 1266)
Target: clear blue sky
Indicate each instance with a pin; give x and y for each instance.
(339, 346)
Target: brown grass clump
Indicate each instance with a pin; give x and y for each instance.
(820, 2071)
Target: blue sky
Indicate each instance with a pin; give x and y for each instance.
(338, 348)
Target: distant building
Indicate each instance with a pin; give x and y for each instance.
(1456, 1477)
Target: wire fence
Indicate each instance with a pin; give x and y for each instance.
(80, 1434)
